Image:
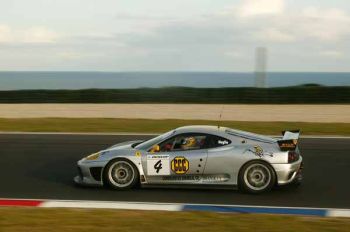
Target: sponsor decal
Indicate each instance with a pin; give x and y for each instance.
(258, 151)
(197, 178)
(158, 157)
(180, 165)
(182, 178)
(289, 144)
(215, 178)
(223, 142)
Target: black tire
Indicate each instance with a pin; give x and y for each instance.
(120, 174)
(256, 177)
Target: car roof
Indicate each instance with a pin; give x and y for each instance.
(225, 132)
(201, 129)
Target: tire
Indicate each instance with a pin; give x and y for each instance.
(256, 177)
(120, 174)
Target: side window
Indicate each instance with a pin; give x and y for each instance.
(216, 141)
(167, 145)
(184, 142)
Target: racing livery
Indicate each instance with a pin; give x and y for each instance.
(197, 156)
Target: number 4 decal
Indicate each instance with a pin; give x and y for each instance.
(158, 166)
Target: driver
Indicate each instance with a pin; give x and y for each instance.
(189, 143)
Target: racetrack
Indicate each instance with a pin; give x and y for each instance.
(42, 166)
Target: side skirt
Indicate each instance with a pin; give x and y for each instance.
(191, 186)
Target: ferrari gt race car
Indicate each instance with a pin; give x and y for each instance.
(197, 155)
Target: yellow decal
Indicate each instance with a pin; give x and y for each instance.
(138, 154)
(180, 165)
(258, 151)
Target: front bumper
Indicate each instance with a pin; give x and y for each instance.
(288, 173)
(89, 173)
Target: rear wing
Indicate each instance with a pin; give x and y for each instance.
(289, 142)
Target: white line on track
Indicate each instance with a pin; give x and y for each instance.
(112, 205)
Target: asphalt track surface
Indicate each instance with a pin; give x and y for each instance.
(43, 166)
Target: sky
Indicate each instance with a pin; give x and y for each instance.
(174, 35)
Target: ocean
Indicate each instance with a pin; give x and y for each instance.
(123, 80)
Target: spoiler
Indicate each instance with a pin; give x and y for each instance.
(289, 142)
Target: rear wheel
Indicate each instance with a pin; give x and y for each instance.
(257, 177)
(121, 174)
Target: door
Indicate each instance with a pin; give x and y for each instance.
(180, 159)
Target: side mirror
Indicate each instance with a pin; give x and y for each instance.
(155, 148)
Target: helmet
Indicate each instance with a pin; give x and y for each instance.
(189, 142)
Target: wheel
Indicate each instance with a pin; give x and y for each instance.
(257, 177)
(121, 174)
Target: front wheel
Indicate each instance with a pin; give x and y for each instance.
(121, 174)
(257, 177)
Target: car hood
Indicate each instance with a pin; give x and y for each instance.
(123, 145)
(124, 149)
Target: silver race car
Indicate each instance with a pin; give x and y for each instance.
(197, 156)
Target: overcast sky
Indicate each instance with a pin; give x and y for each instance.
(174, 35)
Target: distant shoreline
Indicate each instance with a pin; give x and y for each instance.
(132, 80)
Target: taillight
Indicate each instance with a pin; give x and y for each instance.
(292, 156)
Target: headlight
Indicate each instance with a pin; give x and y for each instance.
(94, 156)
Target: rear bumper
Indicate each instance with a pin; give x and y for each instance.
(289, 173)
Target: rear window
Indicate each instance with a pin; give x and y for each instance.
(217, 141)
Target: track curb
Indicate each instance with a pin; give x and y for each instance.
(175, 207)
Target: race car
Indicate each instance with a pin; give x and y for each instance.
(212, 156)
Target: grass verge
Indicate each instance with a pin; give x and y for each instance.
(156, 126)
(29, 219)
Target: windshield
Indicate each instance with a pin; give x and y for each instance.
(149, 143)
